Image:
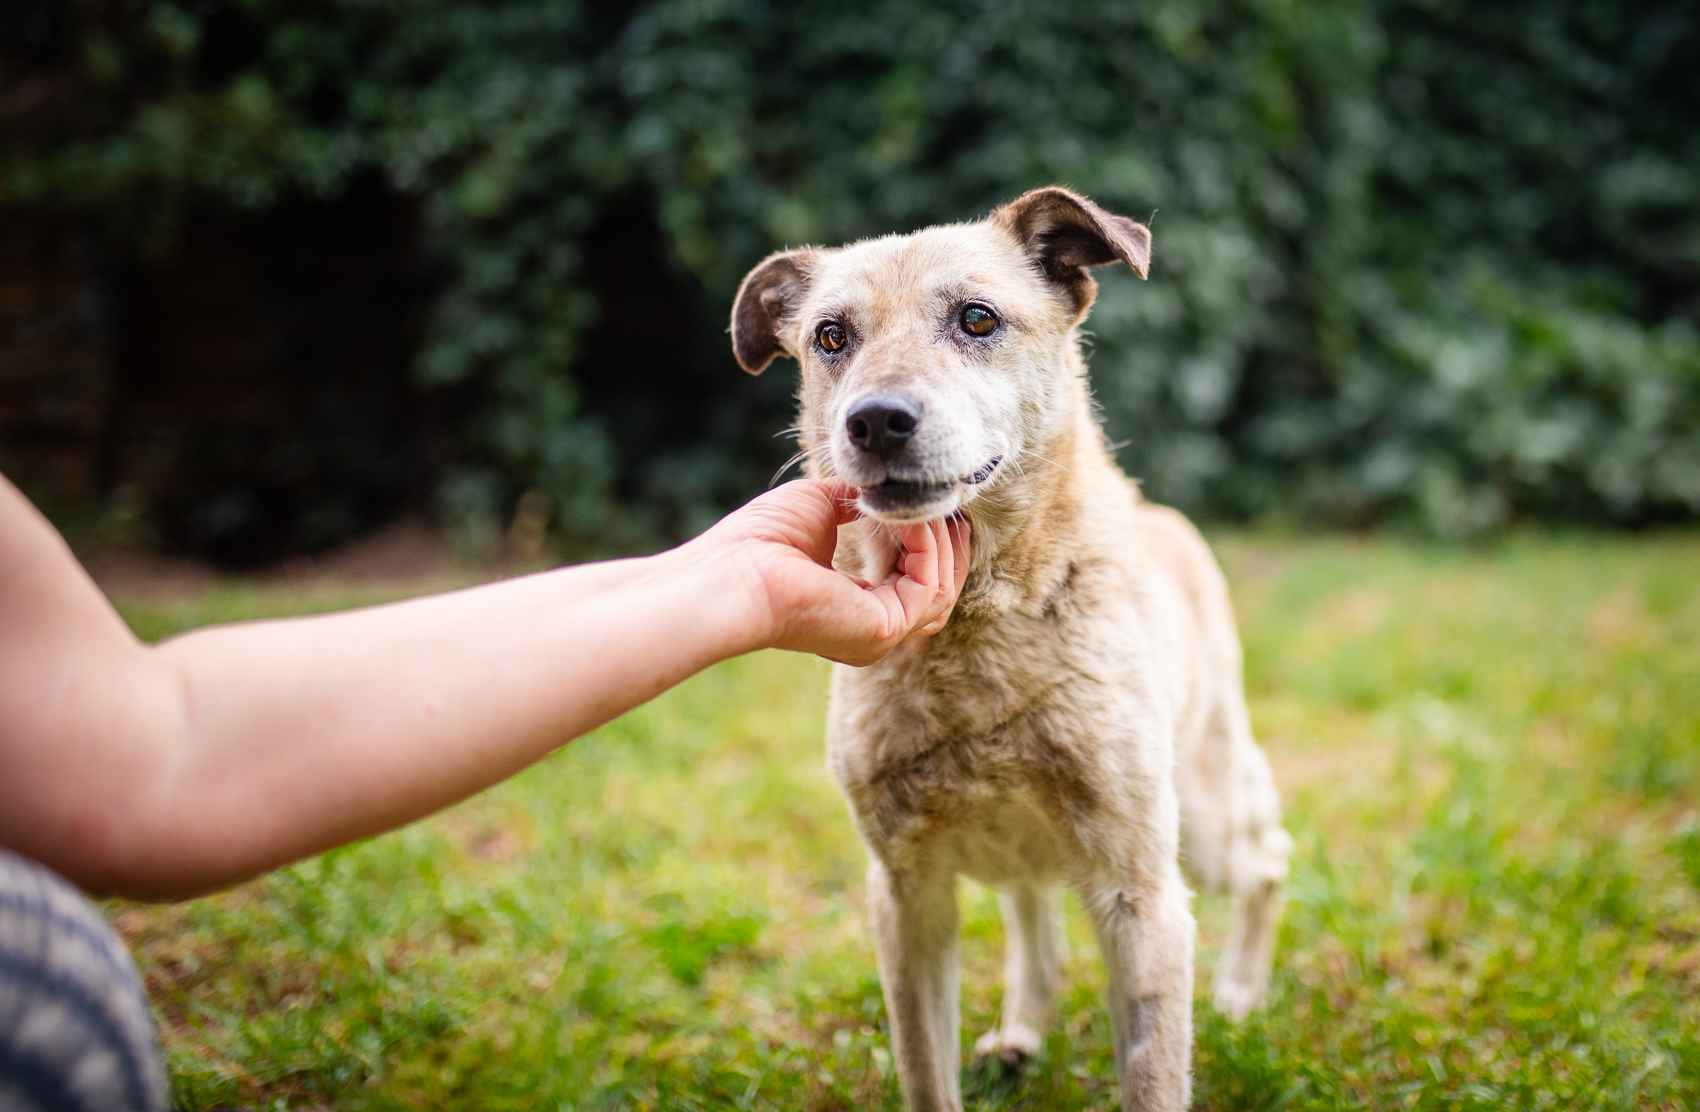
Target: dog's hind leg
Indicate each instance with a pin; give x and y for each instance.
(914, 921)
(1032, 923)
(1255, 868)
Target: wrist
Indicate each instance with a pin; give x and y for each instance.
(723, 591)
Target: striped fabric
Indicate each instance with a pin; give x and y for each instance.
(75, 1035)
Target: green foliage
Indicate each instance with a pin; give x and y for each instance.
(687, 941)
(1427, 260)
(1686, 846)
(669, 913)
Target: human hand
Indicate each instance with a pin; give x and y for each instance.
(780, 546)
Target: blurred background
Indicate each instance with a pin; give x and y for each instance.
(407, 294)
(275, 276)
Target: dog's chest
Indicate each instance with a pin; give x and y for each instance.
(993, 754)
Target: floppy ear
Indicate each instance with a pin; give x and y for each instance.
(766, 299)
(1065, 233)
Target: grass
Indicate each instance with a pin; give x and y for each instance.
(1491, 761)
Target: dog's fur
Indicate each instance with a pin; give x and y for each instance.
(1084, 708)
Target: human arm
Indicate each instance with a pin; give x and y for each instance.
(161, 771)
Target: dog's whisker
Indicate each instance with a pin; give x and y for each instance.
(796, 457)
(1046, 460)
(813, 454)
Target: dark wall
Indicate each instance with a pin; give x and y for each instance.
(56, 371)
(252, 384)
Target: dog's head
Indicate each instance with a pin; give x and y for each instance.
(932, 362)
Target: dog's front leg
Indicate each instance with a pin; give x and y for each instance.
(1146, 931)
(914, 921)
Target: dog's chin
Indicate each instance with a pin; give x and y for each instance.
(905, 501)
(895, 502)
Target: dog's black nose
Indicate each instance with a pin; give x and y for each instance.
(882, 424)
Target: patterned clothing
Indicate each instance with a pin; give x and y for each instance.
(75, 1033)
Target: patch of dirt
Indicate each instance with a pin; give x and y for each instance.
(486, 838)
(1619, 621)
(147, 577)
(1334, 767)
(1339, 778)
(494, 843)
(1356, 612)
(408, 550)
(1678, 963)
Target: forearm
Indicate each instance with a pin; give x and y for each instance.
(299, 735)
(171, 770)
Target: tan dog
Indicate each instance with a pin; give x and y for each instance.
(1084, 706)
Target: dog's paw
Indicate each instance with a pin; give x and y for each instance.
(1010, 1047)
(1237, 999)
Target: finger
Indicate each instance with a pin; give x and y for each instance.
(918, 553)
(953, 574)
(947, 563)
(919, 581)
(843, 496)
(842, 509)
(940, 606)
(959, 532)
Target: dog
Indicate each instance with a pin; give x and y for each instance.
(1082, 713)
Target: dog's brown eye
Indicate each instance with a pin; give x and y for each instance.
(830, 337)
(977, 320)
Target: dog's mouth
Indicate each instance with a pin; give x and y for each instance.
(985, 472)
(898, 496)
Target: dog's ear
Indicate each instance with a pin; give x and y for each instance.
(1065, 233)
(766, 299)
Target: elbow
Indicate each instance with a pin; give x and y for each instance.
(115, 852)
(83, 837)
(116, 829)
(94, 851)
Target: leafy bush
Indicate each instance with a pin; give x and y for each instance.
(1421, 260)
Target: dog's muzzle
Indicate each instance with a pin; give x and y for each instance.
(906, 497)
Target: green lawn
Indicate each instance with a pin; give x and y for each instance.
(1491, 761)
